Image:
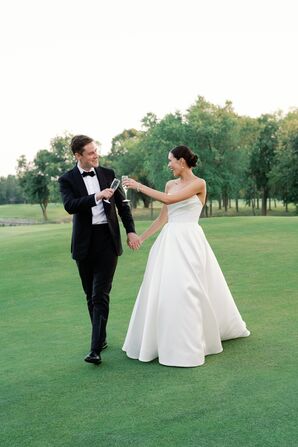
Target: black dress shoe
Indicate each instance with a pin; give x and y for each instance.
(93, 357)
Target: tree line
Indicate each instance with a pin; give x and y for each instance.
(240, 157)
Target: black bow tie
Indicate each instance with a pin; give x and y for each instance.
(91, 173)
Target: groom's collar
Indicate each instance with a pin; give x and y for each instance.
(83, 170)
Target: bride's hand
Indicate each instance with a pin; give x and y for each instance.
(130, 183)
(133, 241)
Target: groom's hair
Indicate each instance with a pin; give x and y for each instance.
(78, 142)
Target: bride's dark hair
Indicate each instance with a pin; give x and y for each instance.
(186, 153)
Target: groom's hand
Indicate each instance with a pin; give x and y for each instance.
(104, 194)
(133, 241)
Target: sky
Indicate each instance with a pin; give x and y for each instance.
(98, 67)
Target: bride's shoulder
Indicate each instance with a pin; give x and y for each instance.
(200, 181)
(169, 184)
(200, 185)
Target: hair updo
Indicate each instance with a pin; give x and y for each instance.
(186, 153)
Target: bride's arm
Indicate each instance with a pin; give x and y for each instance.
(196, 187)
(156, 225)
(159, 222)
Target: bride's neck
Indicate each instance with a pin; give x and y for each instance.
(186, 176)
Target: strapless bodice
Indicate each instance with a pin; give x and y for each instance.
(188, 210)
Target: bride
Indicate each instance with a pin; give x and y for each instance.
(184, 308)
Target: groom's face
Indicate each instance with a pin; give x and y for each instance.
(89, 158)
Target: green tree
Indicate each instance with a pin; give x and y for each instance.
(127, 158)
(60, 160)
(10, 190)
(39, 178)
(149, 121)
(284, 175)
(169, 132)
(34, 179)
(216, 138)
(263, 156)
(249, 131)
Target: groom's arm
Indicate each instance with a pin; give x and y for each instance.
(124, 211)
(73, 204)
(127, 219)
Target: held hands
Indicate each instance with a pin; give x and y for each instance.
(104, 194)
(134, 241)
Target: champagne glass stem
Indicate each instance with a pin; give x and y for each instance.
(125, 177)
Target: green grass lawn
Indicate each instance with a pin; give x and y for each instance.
(26, 213)
(245, 396)
(32, 213)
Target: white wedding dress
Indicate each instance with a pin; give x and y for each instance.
(184, 307)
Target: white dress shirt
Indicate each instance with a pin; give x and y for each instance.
(92, 185)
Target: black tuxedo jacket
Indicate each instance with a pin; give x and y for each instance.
(77, 202)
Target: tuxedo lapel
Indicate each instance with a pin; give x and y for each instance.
(78, 178)
(103, 181)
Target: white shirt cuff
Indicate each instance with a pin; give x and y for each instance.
(97, 201)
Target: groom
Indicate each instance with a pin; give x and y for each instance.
(96, 242)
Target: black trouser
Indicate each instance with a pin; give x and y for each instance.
(96, 272)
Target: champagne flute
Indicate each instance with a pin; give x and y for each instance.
(125, 177)
(114, 185)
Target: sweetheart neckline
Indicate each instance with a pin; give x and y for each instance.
(170, 194)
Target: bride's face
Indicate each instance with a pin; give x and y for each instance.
(174, 165)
